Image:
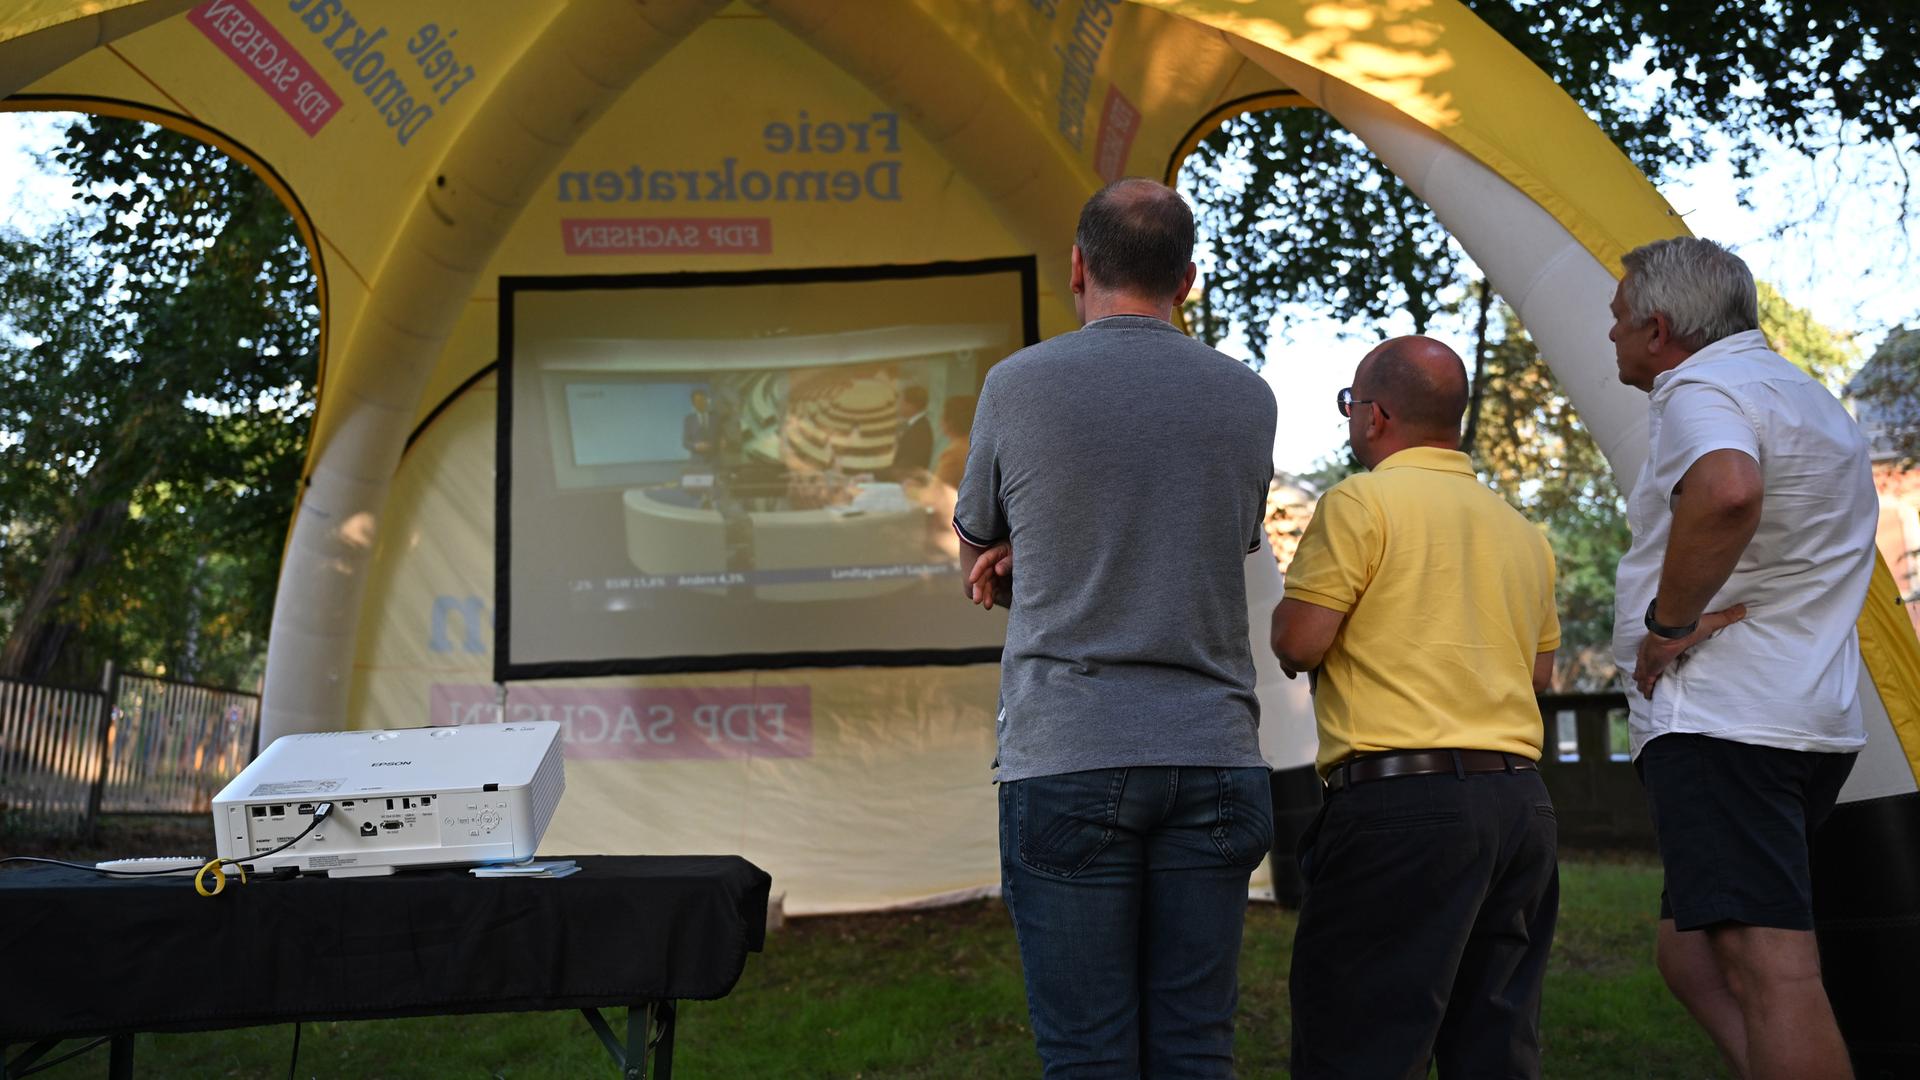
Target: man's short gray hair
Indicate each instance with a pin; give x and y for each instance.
(1705, 291)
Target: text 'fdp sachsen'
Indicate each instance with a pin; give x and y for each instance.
(876, 134)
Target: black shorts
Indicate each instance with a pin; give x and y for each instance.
(1735, 823)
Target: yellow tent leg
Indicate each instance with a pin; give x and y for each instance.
(1892, 655)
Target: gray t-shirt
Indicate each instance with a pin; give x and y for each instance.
(1129, 464)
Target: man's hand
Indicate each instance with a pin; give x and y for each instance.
(1312, 674)
(990, 579)
(1658, 654)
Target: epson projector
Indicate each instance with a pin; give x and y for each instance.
(404, 797)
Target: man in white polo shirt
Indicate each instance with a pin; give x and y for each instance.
(1753, 524)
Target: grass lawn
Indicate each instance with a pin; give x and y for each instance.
(938, 994)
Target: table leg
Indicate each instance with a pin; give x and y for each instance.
(29, 1061)
(607, 1038)
(649, 1035)
(663, 1015)
(639, 1020)
(120, 1058)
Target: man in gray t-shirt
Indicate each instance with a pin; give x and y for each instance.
(1116, 480)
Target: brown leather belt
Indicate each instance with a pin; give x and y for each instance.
(1385, 766)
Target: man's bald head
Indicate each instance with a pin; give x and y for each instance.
(1422, 383)
(1136, 236)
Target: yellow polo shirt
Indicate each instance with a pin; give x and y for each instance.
(1449, 595)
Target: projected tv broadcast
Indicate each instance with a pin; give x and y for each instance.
(702, 472)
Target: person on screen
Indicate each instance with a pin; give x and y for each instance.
(956, 421)
(698, 431)
(913, 450)
(1134, 804)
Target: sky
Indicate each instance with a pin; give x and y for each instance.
(1825, 232)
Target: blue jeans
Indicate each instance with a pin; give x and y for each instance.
(1128, 889)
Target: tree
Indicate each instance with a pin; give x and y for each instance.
(156, 363)
(1293, 209)
(1821, 352)
(1530, 446)
(1297, 210)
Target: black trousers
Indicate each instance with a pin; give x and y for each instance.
(1430, 906)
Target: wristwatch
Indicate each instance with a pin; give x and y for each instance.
(1672, 633)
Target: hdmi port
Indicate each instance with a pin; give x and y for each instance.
(390, 825)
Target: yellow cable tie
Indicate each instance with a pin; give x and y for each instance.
(219, 879)
(218, 866)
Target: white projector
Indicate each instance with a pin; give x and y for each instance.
(434, 796)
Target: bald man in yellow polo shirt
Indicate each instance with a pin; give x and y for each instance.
(1421, 604)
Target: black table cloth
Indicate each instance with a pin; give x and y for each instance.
(85, 954)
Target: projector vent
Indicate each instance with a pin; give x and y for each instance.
(549, 781)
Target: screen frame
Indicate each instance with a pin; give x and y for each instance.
(1026, 267)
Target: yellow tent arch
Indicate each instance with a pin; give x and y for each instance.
(473, 177)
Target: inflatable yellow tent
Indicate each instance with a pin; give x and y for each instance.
(624, 301)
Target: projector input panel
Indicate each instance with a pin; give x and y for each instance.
(367, 824)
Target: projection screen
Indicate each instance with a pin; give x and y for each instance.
(702, 472)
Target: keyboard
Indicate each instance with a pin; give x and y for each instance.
(156, 865)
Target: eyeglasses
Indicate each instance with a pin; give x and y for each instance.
(1345, 401)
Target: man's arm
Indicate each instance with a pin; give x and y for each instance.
(1302, 634)
(1333, 565)
(978, 502)
(1543, 671)
(1716, 509)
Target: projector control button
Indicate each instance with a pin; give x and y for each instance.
(489, 820)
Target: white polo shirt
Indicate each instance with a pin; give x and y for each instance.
(1788, 674)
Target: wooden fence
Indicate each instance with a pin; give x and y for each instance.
(50, 740)
(173, 745)
(1596, 794)
(141, 744)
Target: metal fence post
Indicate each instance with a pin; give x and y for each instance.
(109, 685)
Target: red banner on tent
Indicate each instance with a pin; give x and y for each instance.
(251, 42)
(647, 723)
(1119, 123)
